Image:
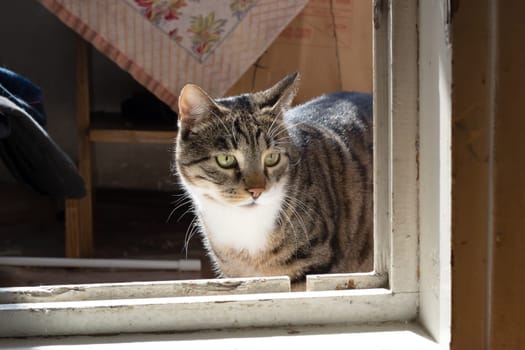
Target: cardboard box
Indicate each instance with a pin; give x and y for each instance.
(329, 43)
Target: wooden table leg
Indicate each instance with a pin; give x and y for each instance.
(79, 212)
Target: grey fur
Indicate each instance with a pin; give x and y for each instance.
(325, 224)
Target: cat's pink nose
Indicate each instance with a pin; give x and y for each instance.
(255, 192)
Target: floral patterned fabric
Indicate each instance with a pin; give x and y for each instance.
(165, 44)
(194, 25)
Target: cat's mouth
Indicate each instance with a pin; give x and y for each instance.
(248, 203)
(236, 202)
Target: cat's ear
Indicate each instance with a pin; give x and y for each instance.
(194, 104)
(281, 95)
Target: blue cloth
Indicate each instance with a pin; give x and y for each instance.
(26, 149)
(23, 93)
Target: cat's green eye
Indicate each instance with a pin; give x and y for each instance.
(226, 161)
(272, 159)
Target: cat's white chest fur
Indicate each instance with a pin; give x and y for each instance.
(242, 228)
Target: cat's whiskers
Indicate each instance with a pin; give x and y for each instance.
(285, 128)
(189, 210)
(184, 199)
(180, 197)
(282, 138)
(270, 128)
(218, 117)
(273, 127)
(190, 232)
(299, 219)
(233, 134)
(288, 218)
(292, 203)
(277, 131)
(300, 204)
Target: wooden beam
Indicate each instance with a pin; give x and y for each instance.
(132, 136)
(470, 152)
(508, 283)
(79, 212)
(489, 175)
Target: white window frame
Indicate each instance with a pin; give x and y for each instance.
(411, 278)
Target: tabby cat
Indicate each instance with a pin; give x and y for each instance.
(279, 190)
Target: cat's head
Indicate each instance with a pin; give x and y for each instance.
(235, 150)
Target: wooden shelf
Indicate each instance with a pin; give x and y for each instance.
(132, 136)
(101, 127)
(112, 127)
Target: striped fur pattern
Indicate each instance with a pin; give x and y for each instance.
(279, 190)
